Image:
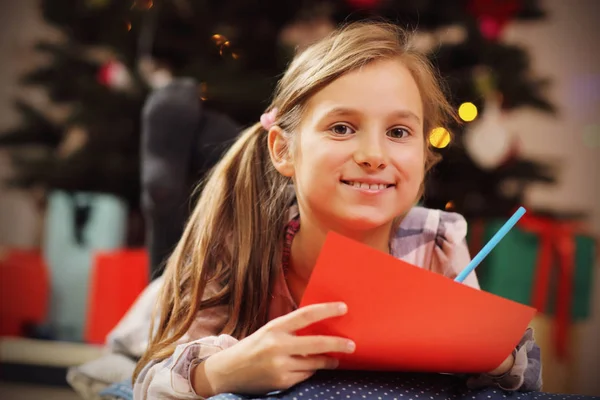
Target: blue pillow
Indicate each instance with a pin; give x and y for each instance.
(121, 390)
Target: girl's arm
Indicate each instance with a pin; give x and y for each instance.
(172, 377)
(450, 256)
(525, 374)
(272, 358)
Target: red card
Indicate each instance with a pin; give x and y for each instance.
(405, 318)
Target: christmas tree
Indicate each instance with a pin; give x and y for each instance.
(237, 50)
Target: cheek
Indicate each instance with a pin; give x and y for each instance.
(411, 165)
(314, 156)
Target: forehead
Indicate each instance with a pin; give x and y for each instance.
(380, 88)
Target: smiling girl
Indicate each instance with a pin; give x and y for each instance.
(343, 148)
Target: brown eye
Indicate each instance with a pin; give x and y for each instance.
(398, 133)
(341, 130)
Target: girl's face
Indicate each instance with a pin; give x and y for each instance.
(359, 156)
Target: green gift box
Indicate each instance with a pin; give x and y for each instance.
(511, 269)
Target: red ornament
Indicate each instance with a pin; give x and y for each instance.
(363, 4)
(104, 73)
(114, 75)
(490, 28)
(493, 15)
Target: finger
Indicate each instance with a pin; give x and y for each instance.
(313, 363)
(309, 345)
(305, 316)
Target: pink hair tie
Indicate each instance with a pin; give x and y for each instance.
(268, 119)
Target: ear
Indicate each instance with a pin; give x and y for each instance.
(279, 150)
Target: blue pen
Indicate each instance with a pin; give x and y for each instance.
(491, 244)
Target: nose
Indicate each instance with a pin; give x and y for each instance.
(371, 153)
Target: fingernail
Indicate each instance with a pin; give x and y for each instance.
(343, 307)
(335, 363)
(351, 346)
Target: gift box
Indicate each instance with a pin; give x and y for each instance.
(117, 279)
(24, 291)
(544, 263)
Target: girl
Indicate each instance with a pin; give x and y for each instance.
(348, 129)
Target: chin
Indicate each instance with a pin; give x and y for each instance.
(365, 221)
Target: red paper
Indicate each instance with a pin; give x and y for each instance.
(405, 318)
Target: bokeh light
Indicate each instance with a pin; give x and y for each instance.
(449, 206)
(439, 137)
(219, 39)
(224, 47)
(467, 111)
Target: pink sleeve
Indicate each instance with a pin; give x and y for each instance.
(170, 378)
(450, 252)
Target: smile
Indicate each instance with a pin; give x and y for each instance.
(368, 186)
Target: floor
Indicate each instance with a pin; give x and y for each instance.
(14, 391)
(46, 354)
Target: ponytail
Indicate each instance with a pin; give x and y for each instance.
(233, 238)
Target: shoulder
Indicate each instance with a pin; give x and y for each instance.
(432, 224)
(422, 230)
(435, 240)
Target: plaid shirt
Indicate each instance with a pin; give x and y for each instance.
(431, 239)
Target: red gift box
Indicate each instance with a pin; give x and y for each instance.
(24, 291)
(117, 279)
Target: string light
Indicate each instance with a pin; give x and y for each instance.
(223, 47)
(449, 206)
(439, 137)
(467, 111)
(219, 39)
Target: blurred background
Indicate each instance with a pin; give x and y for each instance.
(98, 98)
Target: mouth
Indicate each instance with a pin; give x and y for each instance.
(368, 186)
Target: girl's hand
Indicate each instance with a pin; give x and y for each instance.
(274, 358)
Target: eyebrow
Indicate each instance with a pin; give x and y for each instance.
(344, 111)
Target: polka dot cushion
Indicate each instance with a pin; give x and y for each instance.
(347, 385)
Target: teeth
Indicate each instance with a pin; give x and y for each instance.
(374, 186)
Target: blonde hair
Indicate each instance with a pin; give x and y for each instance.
(235, 233)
